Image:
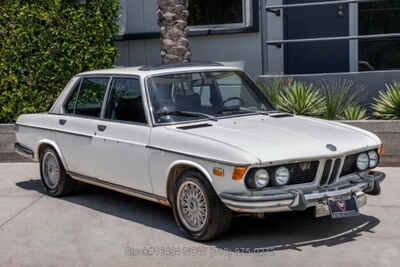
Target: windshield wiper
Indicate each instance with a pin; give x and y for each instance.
(187, 114)
(263, 112)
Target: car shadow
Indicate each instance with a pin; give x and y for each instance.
(279, 231)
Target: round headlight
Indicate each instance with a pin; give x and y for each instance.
(373, 159)
(261, 178)
(362, 161)
(282, 176)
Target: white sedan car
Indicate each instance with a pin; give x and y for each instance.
(203, 139)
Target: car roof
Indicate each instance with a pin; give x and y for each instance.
(161, 69)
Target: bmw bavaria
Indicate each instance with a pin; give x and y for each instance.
(203, 139)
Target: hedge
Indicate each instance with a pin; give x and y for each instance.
(43, 43)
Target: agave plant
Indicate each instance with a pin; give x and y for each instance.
(354, 113)
(338, 97)
(387, 104)
(302, 99)
(273, 88)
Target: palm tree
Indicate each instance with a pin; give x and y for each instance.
(173, 21)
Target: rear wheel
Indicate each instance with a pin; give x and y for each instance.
(198, 211)
(55, 180)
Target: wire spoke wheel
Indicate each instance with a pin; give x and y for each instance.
(192, 206)
(51, 170)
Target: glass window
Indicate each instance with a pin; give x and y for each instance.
(379, 18)
(192, 96)
(125, 102)
(211, 12)
(91, 96)
(70, 105)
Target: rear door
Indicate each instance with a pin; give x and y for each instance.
(122, 137)
(77, 126)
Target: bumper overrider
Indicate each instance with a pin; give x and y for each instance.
(301, 199)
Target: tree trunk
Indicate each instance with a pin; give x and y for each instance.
(173, 22)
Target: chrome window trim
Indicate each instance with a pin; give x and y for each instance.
(81, 78)
(144, 99)
(106, 95)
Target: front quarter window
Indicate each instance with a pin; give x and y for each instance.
(192, 96)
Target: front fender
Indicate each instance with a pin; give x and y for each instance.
(191, 164)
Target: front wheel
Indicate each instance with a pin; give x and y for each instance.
(198, 211)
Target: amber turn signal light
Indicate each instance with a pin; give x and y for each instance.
(218, 172)
(238, 173)
(380, 151)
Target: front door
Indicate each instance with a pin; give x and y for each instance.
(122, 137)
(316, 22)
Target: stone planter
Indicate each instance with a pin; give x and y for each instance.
(7, 138)
(389, 133)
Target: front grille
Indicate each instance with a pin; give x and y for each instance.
(327, 171)
(349, 165)
(335, 171)
(300, 173)
(300, 176)
(330, 172)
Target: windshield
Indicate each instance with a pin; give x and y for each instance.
(202, 95)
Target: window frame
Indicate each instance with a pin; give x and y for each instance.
(71, 93)
(142, 95)
(247, 7)
(252, 25)
(150, 106)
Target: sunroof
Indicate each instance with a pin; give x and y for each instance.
(181, 65)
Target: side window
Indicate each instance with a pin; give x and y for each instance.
(125, 101)
(70, 105)
(91, 96)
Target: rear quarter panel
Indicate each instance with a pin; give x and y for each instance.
(32, 130)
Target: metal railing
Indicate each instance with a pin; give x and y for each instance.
(276, 10)
(338, 2)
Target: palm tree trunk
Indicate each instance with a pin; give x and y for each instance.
(173, 22)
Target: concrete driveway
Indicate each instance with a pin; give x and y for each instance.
(103, 228)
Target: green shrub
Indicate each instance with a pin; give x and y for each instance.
(273, 88)
(387, 104)
(43, 43)
(302, 99)
(354, 113)
(338, 97)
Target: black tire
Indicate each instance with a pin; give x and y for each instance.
(65, 184)
(218, 218)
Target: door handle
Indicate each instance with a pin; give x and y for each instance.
(62, 122)
(101, 128)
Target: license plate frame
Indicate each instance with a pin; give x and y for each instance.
(343, 207)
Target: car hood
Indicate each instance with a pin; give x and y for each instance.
(272, 139)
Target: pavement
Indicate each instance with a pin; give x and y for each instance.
(8, 157)
(98, 227)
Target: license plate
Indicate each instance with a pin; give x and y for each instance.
(341, 208)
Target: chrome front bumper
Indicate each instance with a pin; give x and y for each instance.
(299, 199)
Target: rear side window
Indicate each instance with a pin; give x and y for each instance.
(90, 98)
(70, 105)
